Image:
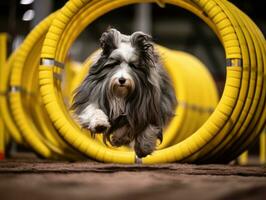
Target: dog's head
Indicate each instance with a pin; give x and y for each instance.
(124, 62)
(124, 76)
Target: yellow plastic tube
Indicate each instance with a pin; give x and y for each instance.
(4, 104)
(3, 45)
(236, 122)
(26, 106)
(263, 147)
(215, 139)
(243, 90)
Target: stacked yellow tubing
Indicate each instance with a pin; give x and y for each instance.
(237, 120)
(4, 104)
(38, 117)
(25, 104)
(3, 50)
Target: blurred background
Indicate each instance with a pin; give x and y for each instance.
(172, 27)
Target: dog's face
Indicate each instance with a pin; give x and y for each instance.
(121, 81)
(121, 64)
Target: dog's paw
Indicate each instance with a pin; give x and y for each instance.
(143, 149)
(96, 121)
(145, 143)
(99, 124)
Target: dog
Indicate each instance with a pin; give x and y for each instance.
(127, 95)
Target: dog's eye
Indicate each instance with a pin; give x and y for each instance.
(132, 65)
(111, 63)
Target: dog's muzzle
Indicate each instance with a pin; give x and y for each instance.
(121, 87)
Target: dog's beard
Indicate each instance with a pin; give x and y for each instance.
(121, 91)
(117, 94)
(117, 107)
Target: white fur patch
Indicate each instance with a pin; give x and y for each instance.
(94, 117)
(125, 51)
(122, 72)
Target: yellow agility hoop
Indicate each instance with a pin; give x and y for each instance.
(238, 118)
(25, 103)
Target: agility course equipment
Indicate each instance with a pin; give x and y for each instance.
(235, 123)
(239, 116)
(3, 46)
(36, 129)
(25, 103)
(263, 147)
(4, 104)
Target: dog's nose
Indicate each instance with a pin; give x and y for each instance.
(122, 80)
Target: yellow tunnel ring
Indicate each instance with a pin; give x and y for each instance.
(76, 15)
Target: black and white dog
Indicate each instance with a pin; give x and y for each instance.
(127, 94)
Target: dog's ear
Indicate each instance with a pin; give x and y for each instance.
(109, 40)
(144, 45)
(142, 41)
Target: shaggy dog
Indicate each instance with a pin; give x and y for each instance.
(127, 94)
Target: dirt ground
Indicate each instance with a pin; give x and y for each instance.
(31, 178)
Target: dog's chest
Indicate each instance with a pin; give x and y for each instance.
(117, 107)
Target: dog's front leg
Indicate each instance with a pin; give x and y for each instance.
(145, 142)
(94, 119)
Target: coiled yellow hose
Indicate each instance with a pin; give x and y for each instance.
(39, 117)
(236, 121)
(4, 104)
(26, 106)
(3, 49)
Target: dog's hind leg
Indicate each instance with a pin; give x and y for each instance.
(94, 119)
(145, 142)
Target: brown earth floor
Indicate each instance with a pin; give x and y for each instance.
(28, 178)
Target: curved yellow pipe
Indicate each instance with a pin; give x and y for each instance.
(245, 82)
(235, 123)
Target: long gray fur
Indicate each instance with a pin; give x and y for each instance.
(141, 115)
